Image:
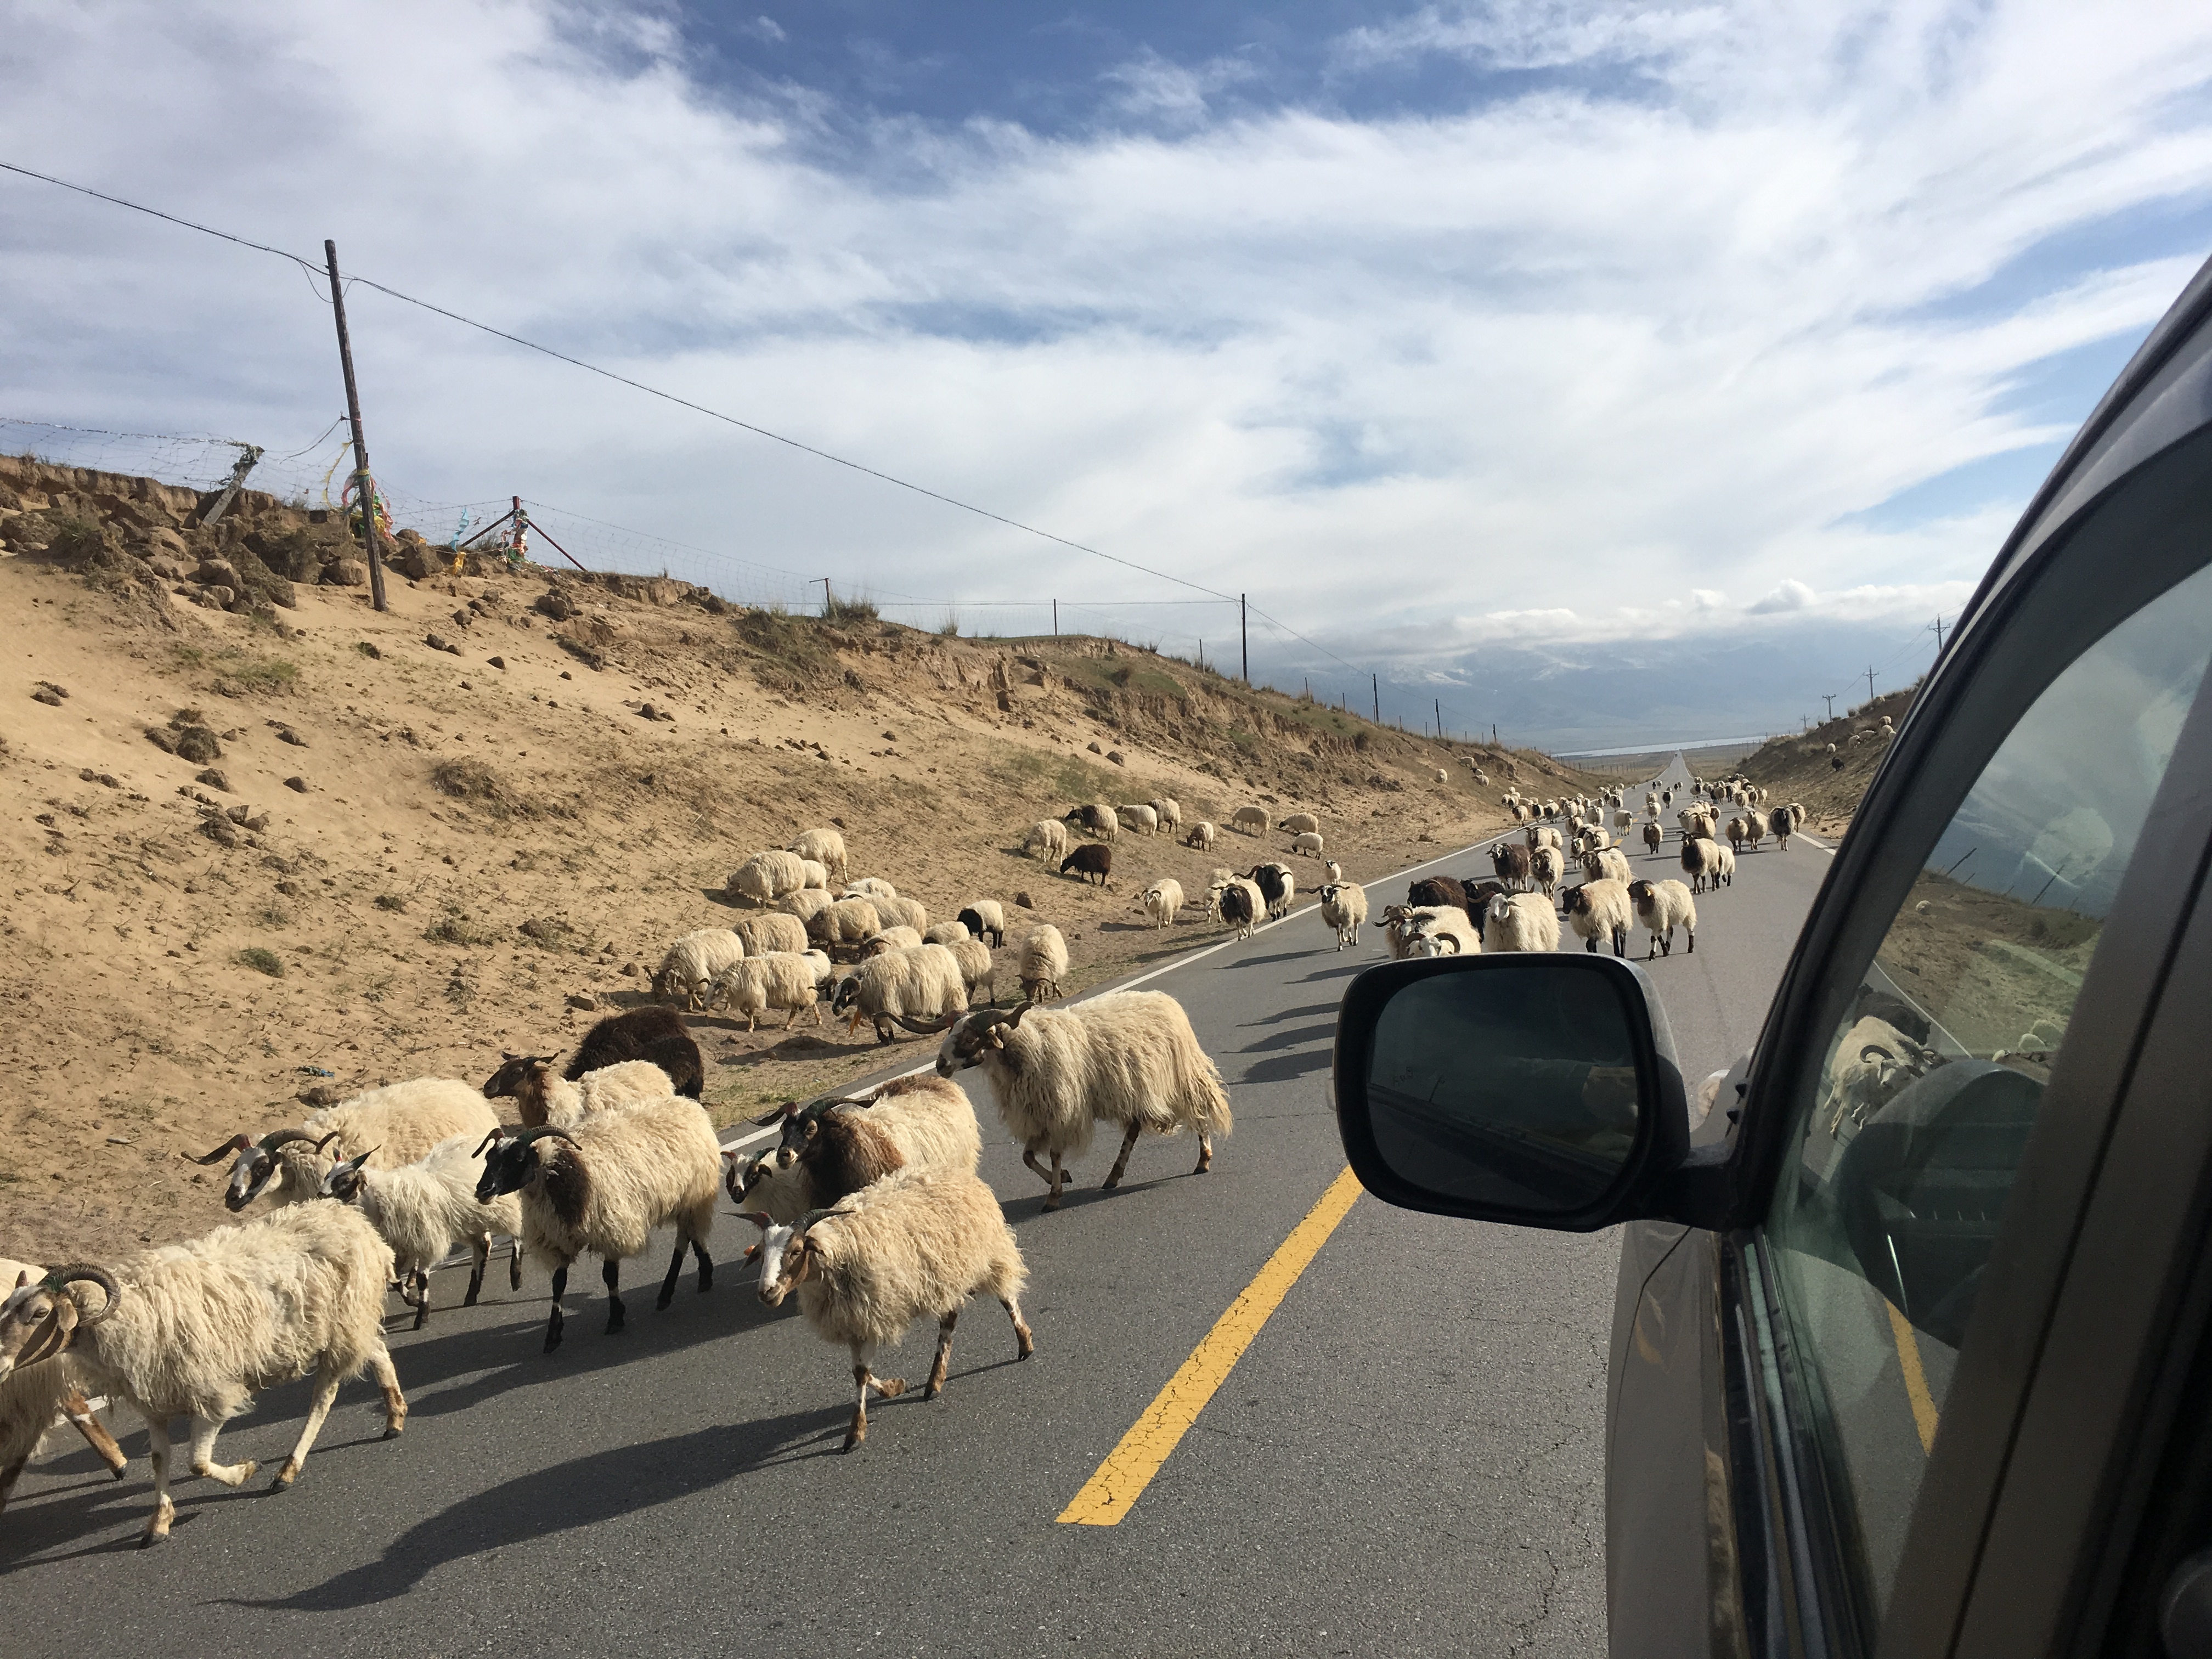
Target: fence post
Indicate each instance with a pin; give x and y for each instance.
(365, 487)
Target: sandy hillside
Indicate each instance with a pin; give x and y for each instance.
(1800, 769)
(443, 852)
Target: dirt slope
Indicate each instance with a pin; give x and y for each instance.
(1800, 769)
(470, 848)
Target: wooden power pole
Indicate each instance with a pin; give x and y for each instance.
(1243, 639)
(364, 487)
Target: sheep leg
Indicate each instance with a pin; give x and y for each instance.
(553, 1324)
(1025, 1344)
(936, 1385)
(611, 1276)
(79, 1412)
(204, 1430)
(668, 1284)
(9, 1476)
(395, 1403)
(1121, 1164)
(705, 1267)
(1059, 1181)
(1693, 950)
(514, 1267)
(326, 1391)
(480, 1254)
(1204, 1154)
(1029, 1157)
(422, 1277)
(157, 1452)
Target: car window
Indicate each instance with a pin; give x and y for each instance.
(1904, 1153)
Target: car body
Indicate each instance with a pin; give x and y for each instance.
(1910, 1350)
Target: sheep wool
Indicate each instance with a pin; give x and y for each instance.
(768, 876)
(1522, 921)
(916, 986)
(774, 931)
(426, 1208)
(825, 847)
(979, 968)
(781, 979)
(1661, 907)
(690, 965)
(1344, 908)
(1046, 839)
(1043, 963)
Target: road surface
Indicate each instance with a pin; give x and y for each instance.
(1407, 1460)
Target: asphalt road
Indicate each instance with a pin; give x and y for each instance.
(1406, 1461)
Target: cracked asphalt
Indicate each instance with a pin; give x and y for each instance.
(1407, 1460)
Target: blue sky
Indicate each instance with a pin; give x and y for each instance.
(1615, 372)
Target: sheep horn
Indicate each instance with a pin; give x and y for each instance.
(327, 1139)
(538, 1131)
(759, 1218)
(811, 1218)
(235, 1144)
(1014, 1016)
(100, 1276)
(926, 1030)
(497, 1131)
(275, 1139)
(775, 1116)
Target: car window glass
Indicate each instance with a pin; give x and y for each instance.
(1905, 1152)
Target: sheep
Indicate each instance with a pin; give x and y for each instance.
(1511, 860)
(892, 938)
(619, 1176)
(1277, 885)
(1043, 963)
(1609, 864)
(869, 887)
(1442, 776)
(806, 904)
(1546, 866)
(1441, 930)
(920, 988)
(1737, 833)
(979, 970)
(790, 980)
(198, 1328)
(1145, 820)
(541, 1097)
(773, 931)
(1401, 926)
(1754, 830)
(825, 847)
(1654, 837)
(1435, 889)
(1128, 1057)
(915, 1244)
(767, 876)
(1520, 813)
(1096, 818)
(1701, 857)
(690, 965)
(1162, 902)
(1046, 839)
(397, 1124)
(424, 1209)
(1872, 1064)
(1251, 820)
(1344, 907)
(1091, 860)
(1308, 845)
(1202, 836)
(813, 876)
(649, 1033)
(1171, 813)
(844, 924)
(946, 932)
(1624, 820)
(1521, 921)
(832, 1148)
(1241, 904)
(981, 917)
(1299, 823)
(1478, 903)
(1542, 834)
(1599, 909)
(894, 910)
(38, 1395)
(1662, 907)
(1724, 867)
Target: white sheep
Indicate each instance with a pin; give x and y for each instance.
(396, 1124)
(690, 965)
(1170, 812)
(1662, 907)
(197, 1329)
(617, 1177)
(946, 932)
(981, 917)
(1046, 839)
(768, 876)
(1441, 930)
(425, 1209)
(831, 1148)
(1252, 820)
(1701, 858)
(892, 939)
(1344, 907)
(1145, 820)
(1044, 964)
(1442, 776)
(918, 987)
(1599, 909)
(40, 1396)
(1607, 864)
(1299, 823)
(912, 1244)
(979, 970)
(1128, 1057)
(542, 1096)
(774, 931)
(1162, 902)
(1521, 921)
(1202, 836)
(1542, 834)
(1308, 845)
(869, 887)
(824, 846)
(790, 980)
(1546, 868)
(844, 924)
(813, 875)
(806, 904)
(895, 910)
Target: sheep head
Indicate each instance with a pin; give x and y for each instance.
(257, 1168)
(974, 1037)
(343, 1180)
(510, 1160)
(39, 1320)
(786, 1257)
(517, 1074)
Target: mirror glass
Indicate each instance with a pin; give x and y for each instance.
(1515, 1085)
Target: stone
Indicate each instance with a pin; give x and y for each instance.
(286, 734)
(437, 642)
(1094, 749)
(238, 814)
(213, 778)
(464, 618)
(582, 1001)
(218, 573)
(1023, 900)
(168, 569)
(196, 743)
(1117, 757)
(159, 739)
(554, 603)
(46, 694)
(496, 662)
(300, 785)
(219, 829)
(369, 650)
(217, 598)
(346, 573)
(321, 1094)
(413, 561)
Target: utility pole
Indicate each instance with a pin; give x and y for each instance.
(1870, 683)
(1440, 720)
(1245, 640)
(1829, 697)
(1375, 681)
(1055, 633)
(825, 580)
(1938, 636)
(364, 487)
(1494, 734)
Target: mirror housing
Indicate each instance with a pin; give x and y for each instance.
(1658, 1177)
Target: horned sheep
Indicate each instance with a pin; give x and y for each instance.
(425, 1209)
(1162, 902)
(1701, 857)
(1661, 907)
(39, 1396)
(833, 1147)
(1599, 909)
(1441, 930)
(395, 1124)
(979, 968)
(1240, 903)
(1545, 867)
(689, 965)
(1129, 1057)
(844, 925)
(1276, 885)
(617, 1177)
(892, 939)
(915, 1244)
(869, 887)
(1607, 863)
(918, 987)
(198, 1328)
(1344, 907)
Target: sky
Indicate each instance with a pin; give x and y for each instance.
(1612, 373)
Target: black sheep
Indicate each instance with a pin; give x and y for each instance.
(1437, 890)
(1094, 859)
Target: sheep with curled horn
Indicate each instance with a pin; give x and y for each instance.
(919, 989)
(39, 1397)
(836, 1145)
(400, 1121)
(540, 1097)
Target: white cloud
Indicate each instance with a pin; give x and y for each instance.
(1565, 367)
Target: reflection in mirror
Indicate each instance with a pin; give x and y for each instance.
(1514, 1087)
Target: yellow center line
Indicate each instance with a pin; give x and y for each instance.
(1130, 1467)
(1916, 1379)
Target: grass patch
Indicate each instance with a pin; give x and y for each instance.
(843, 613)
(457, 926)
(273, 914)
(261, 961)
(1058, 776)
(1122, 674)
(473, 780)
(239, 673)
(390, 901)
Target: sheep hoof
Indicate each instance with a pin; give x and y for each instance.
(285, 1476)
(552, 1340)
(615, 1322)
(1110, 1183)
(1049, 1204)
(148, 1539)
(891, 1387)
(851, 1441)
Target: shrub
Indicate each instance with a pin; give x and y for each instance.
(261, 961)
(845, 612)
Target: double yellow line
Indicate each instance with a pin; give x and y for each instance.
(1130, 1467)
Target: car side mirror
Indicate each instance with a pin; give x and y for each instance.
(1539, 1090)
